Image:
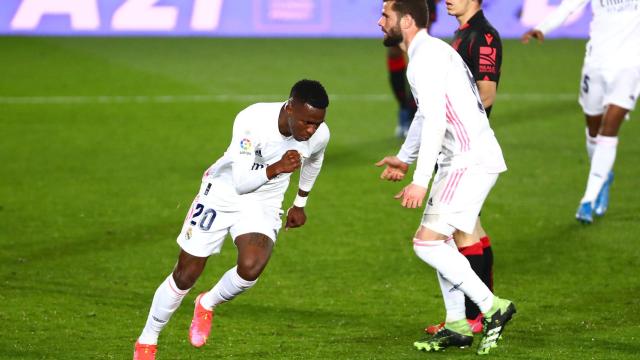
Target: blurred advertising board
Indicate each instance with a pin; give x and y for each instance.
(252, 18)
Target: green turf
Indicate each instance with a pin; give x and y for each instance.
(93, 193)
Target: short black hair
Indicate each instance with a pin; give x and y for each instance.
(310, 92)
(417, 9)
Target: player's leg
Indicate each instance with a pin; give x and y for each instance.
(624, 88)
(202, 234)
(603, 159)
(487, 254)
(254, 236)
(458, 210)
(166, 301)
(470, 246)
(592, 91)
(591, 132)
(254, 250)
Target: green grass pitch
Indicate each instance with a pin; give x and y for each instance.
(104, 141)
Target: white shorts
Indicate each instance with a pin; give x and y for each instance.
(456, 198)
(205, 228)
(601, 87)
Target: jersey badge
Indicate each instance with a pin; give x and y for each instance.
(487, 59)
(245, 146)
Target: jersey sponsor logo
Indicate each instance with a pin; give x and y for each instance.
(245, 147)
(489, 38)
(259, 153)
(487, 59)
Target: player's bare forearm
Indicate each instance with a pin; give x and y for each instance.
(488, 91)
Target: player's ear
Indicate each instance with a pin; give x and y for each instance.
(288, 107)
(406, 21)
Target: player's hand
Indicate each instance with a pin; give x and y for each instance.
(536, 34)
(412, 196)
(395, 169)
(290, 162)
(295, 217)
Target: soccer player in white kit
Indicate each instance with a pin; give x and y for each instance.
(609, 88)
(241, 195)
(451, 129)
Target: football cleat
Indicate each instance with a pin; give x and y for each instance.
(602, 201)
(200, 324)
(452, 334)
(476, 326)
(144, 352)
(494, 322)
(585, 213)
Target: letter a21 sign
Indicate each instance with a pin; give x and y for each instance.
(117, 15)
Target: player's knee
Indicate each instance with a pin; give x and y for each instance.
(250, 268)
(185, 279)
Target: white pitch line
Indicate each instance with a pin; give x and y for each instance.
(144, 99)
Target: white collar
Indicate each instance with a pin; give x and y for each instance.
(421, 37)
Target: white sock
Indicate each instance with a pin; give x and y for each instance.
(227, 288)
(591, 144)
(453, 300)
(455, 268)
(601, 164)
(165, 302)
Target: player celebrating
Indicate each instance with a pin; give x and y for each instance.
(241, 194)
(609, 88)
(450, 121)
(479, 45)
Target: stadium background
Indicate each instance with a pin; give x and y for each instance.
(104, 140)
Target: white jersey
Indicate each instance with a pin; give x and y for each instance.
(240, 176)
(450, 120)
(614, 34)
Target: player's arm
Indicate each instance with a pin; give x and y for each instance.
(431, 94)
(397, 166)
(485, 62)
(553, 20)
(488, 90)
(247, 174)
(309, 172)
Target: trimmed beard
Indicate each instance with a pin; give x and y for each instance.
(393, 38)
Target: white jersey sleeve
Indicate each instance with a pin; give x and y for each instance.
(560, 14)
(428, 84)
(312, 165)
(409, 150)
(242, 150)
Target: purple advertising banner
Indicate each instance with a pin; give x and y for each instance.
(253, 18)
